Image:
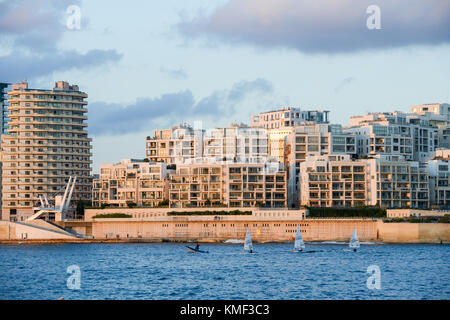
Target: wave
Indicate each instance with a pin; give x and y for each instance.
(234, 241)
(369, 242)
(333, 242)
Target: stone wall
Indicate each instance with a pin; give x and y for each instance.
(203, 229)
(406, 213)
(414, 232)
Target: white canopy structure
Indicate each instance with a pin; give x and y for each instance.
(59, 210)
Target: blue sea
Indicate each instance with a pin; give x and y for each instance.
(167, 272)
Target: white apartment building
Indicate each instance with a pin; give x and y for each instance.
(238, 143)
(46, 143)
(176, 145)
(397, 183)
(439, 176)
(385, 181)
(393, 133)
(3, 107)
(439, 109)
(277, 143)
(444, 136)
(287, 117)
(438, 115)
(313, 140)
(334, 181)
(228, 184)
(131, 181)
(3, 121)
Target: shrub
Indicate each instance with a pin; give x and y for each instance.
(131, 204)
(208, 213)
(112, 215)
(369, 212)
(164, 203)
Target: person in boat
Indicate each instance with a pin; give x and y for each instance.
(197, 247)
(251, 251)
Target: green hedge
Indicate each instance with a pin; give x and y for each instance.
(112, 215)
(208, 213)
(444, 219)
(365, 212)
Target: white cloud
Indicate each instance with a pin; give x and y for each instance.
(323, 26)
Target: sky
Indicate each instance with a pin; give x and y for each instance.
(150, 65)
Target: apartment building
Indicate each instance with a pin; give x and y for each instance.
(3, 107)
(394, 133)
(176, 145)
(3, 123)
(313, 140)
(439, 178)
(287, 117)
(277, 143)
(46, 143)
(334, 181)
(131, 181)
(385, 181)
(229, 184)
(238, 143)
(444, 136)
(439, 109)
(197, 185)
(397, 183)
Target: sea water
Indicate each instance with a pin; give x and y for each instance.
(168, 271)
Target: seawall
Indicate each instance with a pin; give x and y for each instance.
(155, 225)
(414, 232)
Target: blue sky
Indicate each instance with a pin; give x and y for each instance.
(151, 64)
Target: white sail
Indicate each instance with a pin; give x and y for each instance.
(354, 242)
(248, 241)
(299, 243)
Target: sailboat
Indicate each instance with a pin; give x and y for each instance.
(354, 242)
(248, 245)
(299, 244)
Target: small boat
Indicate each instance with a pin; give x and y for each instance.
(299, 244)
(248, 245)
(194, 250)
(354, 242)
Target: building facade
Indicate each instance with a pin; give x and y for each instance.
(397, 183)
(176, 145)
(238, 143)
(287, 117)
(440, 109)
(334, 181)
(313, 140)
(133, 182)
(394, 133)
(277, 143)
(439, 176)
(229, 184)
(46, 143)
(4, 107)
(384, 181)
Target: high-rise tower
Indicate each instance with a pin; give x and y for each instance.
(46, 143)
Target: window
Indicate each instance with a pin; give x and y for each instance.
(338, 140)
(338, 148)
